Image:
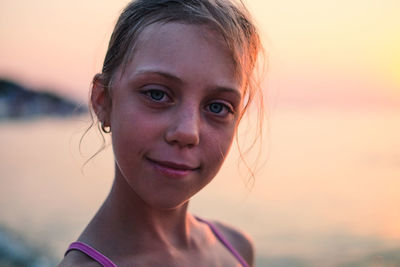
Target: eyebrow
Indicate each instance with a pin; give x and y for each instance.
(176, 79)
(160, 73)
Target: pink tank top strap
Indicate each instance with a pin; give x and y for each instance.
(225, 242)
(91, 252)
(106, 262)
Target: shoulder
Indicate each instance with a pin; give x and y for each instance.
(239, 240)
(76, 258)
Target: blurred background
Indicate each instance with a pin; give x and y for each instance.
(328, 191)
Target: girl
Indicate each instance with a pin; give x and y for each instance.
(176, 80)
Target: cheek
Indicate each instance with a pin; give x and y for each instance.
(217, 149)
(132, 135)
(125, 148)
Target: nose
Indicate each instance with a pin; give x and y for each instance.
(184, 130)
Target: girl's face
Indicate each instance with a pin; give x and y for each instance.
(174, 113)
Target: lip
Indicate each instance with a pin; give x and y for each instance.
(172, 169)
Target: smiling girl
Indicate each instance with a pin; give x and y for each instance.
(176, 80)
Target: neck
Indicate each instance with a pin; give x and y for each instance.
(129, 223)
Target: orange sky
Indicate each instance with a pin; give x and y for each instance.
(318, 50)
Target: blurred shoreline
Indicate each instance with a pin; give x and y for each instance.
(19, 102)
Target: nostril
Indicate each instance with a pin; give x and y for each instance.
(183, 135)
(183, 139)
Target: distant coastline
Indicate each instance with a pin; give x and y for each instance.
(19, 102)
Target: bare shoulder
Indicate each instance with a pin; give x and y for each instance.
(76, 258)
(239, 240)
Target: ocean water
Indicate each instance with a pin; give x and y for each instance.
(326, 194)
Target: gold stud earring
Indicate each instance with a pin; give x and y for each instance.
(105, 128)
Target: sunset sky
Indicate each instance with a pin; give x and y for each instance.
(331, 146)
(320, 52)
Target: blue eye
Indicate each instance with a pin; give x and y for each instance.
(156, 94)
(220, 109)
(216, 107)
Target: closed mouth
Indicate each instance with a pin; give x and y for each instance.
(173, 165)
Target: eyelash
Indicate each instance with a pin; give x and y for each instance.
(224, 106)
(148, 93)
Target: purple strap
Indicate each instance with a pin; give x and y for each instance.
(225, 242)
(106, 262)
(91, 252)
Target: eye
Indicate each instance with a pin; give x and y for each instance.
(220, 109)
(216, 107)
(156, 95)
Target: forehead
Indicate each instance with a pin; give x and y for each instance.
(186, 50)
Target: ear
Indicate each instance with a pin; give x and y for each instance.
(100, 100)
